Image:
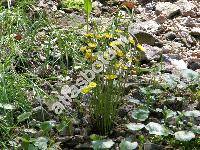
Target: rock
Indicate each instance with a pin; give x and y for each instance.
(195, 32)
(152, 53)
(161, 19)
(84, 146)
(151, 6)
(170, 36)
(151, 146)
(144, 37)
(194, 65)
(149, 26)
(167, 8)
(190, 22)
(186, 7)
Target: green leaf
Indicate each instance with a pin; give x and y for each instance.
(135, 126)
(102, 144)
(41, 143)
(157, 129)
(127, 145)
(140, 114)
(46, 126)
(88, 6)
(192, 113)
(24, 116)
(184, 135)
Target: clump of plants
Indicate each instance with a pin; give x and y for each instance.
(110, 58)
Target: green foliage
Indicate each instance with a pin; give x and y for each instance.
(71, 4)
(88, 9)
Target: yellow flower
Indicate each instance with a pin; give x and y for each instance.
(88, 51)
(107, 35)
(119, 53)
(92, 85)
(140, 47)
(110, 77)
(83, 48)
(89, 35)
(114, 43)
(98, 36)
(88, 55)
(106, 55)
(124, 67)
(118, 65)
(85, 90)
(92, 45)
(131, 40)
(97, 65)
(130, 59)
(118, 31)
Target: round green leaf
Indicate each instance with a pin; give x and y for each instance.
(156, 128)
(135, 126)
(184, 135)
(193, 113)
(102, 144)
(140, 114)
(127, 145)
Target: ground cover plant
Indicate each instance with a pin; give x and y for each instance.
(99, 75)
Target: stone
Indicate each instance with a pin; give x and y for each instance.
(151, 146)
(186, 7)
(190, 22)
(168, 9)
(195, 32)
(151, 52)
(144, 37)
(194, 65)
(170, 36)
(84, 146)
(149, 26)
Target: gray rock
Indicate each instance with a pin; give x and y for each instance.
(167, 8)
(190, 22)
(149, 26)
(151, 146)
(170, 36)
(144, 37)
(84, 146)
(186, 7)
(194, 65)
(195, 32)
(152, 53)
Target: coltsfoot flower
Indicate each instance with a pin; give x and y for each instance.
(111, 76)
(92, 45)
(85, 90)
(140, 47)
(119, 53)
(131, 40)
(92, 85)
(83, 48)
(107, 35)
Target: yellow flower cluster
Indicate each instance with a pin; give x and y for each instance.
(110, 76)
(87, 50)
(88, 88)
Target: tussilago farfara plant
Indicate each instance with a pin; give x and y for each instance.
(112, 58)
